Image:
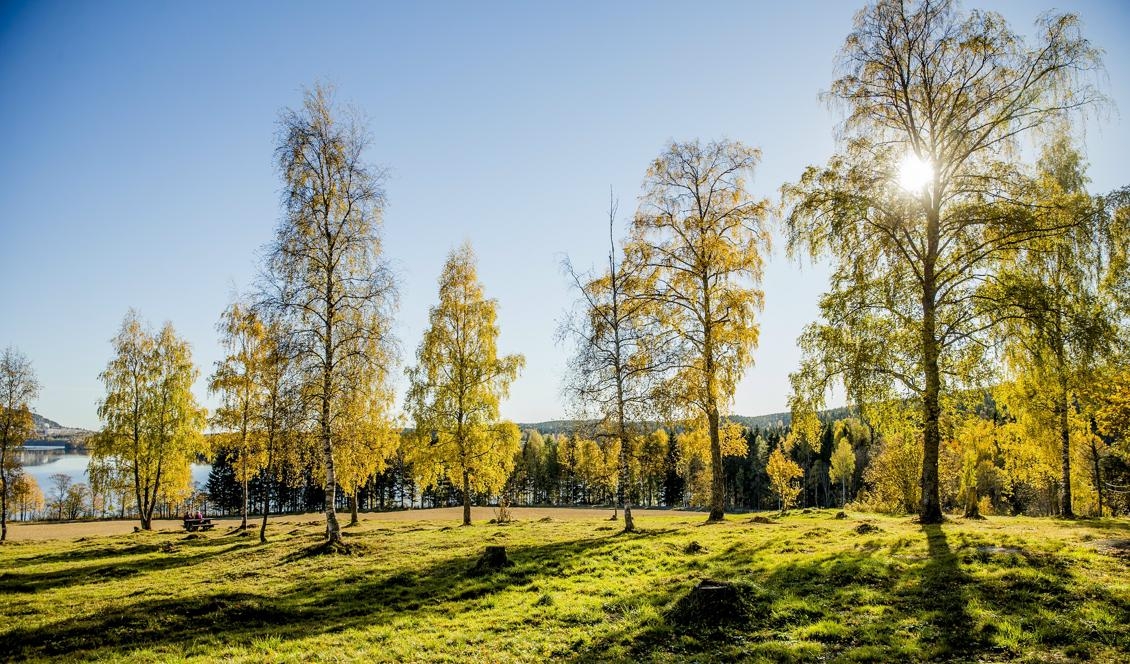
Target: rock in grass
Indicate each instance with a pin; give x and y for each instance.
(867, 529)
(760, 519)
(694, 547)
(712, 604)
(841, 515)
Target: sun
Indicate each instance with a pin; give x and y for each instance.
(915, 173)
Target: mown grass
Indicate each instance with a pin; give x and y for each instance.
(1005, 589)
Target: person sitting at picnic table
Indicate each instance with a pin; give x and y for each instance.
(199, 516)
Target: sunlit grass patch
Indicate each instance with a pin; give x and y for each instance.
(407, 592)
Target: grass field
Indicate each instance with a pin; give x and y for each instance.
(814, 588)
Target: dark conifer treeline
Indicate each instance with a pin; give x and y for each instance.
(544, 475)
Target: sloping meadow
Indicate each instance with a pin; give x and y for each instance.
(806, 587)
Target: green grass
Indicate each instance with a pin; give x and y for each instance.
(1005, 589)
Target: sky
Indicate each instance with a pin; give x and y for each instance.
(137, 165)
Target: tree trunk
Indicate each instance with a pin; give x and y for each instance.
(243, 505)
(717, 486)
(466, 498)
(144, 509)
(266, 498)
(1096, 462)
(333, 528)
(972, 504)
(266, 511)
(142, 500)
(1065, 442)
(4, 491)
(931, 510)
(353, 520)
(3, 508)
(624, 489)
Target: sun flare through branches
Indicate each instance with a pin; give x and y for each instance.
(914, 173)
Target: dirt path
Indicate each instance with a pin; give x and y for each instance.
(48, 531)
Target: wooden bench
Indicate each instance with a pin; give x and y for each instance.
(198, 524)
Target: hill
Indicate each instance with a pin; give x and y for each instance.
(42, 423)
(755, 422)
(49, 430)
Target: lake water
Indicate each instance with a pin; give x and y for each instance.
(43, 461)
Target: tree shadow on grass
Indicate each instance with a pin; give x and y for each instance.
(942, 597)
(869, 605)
(120, 545)
(73, 575)
(198, 624)
(1106, 524)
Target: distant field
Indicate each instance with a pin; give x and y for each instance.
(812, 588)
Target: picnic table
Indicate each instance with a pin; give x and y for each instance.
(198, 524)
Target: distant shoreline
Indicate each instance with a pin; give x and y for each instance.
(67, 445)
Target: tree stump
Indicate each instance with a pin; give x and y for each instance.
(711, 604)
(493, 559)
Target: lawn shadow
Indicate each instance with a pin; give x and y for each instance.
(942, 597)
(1103, 524)
(167, 557)
(198, 624)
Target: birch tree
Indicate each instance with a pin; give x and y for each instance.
(842, 466)
(286, 441)
(368, 438)
(1062, 324)
(923, 198)
(330, 281)
(618, 359)
(457, 385)
(783, 473)
(27, 496)
(153, 427)
(238, 381)
(18, 389)
(701, 237)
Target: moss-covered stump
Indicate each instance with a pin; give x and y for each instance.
(493, 559)
(713, 604)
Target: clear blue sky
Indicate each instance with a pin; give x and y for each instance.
(136, 168)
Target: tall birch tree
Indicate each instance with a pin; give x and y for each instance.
(618, 359)
(1062, 324)
(329, 278)
(702, 237)
(286, 441)
(238, 381)
(923, 198)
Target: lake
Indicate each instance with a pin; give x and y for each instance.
(43, 461)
